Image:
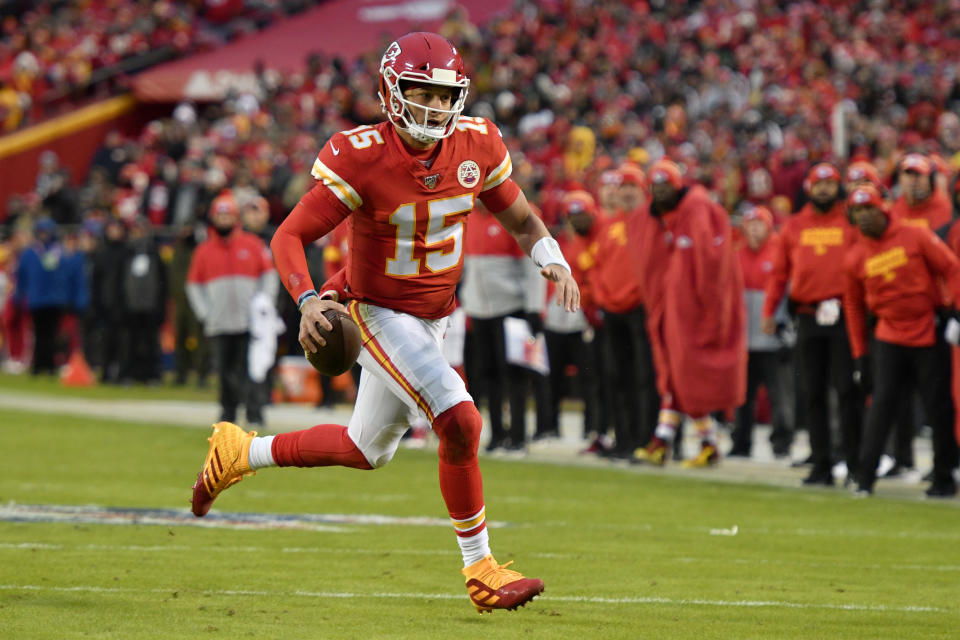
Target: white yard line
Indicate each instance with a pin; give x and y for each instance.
(628, 600)
(180, 548)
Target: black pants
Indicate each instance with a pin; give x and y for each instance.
(763, 368)
(824, 360)
(191, 347)
(230, 351)
(491, 377)
(564, 350)
(140, 347)
(900, 441)
(46, 339)
(894, 368)
(631, 378)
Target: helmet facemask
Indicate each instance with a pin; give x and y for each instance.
(398, 108)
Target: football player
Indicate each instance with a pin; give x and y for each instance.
(405, 186)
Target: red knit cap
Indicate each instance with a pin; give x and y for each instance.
(664, 170)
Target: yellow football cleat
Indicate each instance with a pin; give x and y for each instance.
(493, 586)
(707, 457)
(227, 461)
(653, 453)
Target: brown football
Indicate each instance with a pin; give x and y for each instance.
(342, 348)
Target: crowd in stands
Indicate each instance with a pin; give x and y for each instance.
(55, 54)
(745, 97)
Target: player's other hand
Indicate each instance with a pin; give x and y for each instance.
(310, 316)
(768, 326)
(568, 293)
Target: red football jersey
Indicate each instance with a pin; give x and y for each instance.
(406, 219)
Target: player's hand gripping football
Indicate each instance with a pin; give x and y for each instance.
(310, 315)
(568, 293)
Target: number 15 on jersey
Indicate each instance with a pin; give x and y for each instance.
(404, 218)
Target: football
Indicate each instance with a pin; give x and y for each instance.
(342, 348)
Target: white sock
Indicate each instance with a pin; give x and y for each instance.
(475, 547)
(261, 454)
(667, 423)
(706, 429)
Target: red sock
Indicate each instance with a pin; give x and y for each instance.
(461, 484)
(324, 445)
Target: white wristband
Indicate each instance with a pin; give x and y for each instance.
(546, 252)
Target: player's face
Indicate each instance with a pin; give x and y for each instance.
(756, 232)
(916, 186)
(607, 196)
(630, 196)
(825, 191)
(223, 218)
(870, 220)
(663, 192)
(432, 97)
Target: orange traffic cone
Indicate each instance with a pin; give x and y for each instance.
(77, 373)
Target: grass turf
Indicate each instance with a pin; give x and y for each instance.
(624, 553)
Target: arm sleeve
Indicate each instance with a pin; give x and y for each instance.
(942, 262)
(316, 215)
(854, 311)
(195, 287)
(500, 197)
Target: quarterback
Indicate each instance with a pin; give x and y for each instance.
(406, 187)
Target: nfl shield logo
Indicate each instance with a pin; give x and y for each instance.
(431, 181)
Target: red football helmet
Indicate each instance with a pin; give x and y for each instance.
(423, 58)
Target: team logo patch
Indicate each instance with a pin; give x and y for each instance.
(431, 181)
(391, 54)
(468, 174)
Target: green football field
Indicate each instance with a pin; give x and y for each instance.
(96, 542)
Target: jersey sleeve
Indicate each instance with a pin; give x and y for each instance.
(499, 167)
(317, 214)
(854, 307)
(337, 168)
(498, 191)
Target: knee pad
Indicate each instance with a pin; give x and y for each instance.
(458, 429)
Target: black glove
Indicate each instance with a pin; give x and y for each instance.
(863, 374)
(535, 322)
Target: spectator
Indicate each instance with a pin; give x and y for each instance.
(919, 202)
(763, 359)
(51, 282)
(53, 187)
(191, 352)
(809, 261)
(697, 324)
(143, 282)
(892, 272)
(570, 335)
(226, 270)
(618, 287)
(106, 291)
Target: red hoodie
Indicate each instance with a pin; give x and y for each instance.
(810, 257)
(895, 277)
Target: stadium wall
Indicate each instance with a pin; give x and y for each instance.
(75, 137)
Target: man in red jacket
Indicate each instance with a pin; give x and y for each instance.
(618, 287)
(696, 317)
(920, 203)
(226, 270)
(764, 363)
(892, 271)
(572, 337)
(813, 244)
